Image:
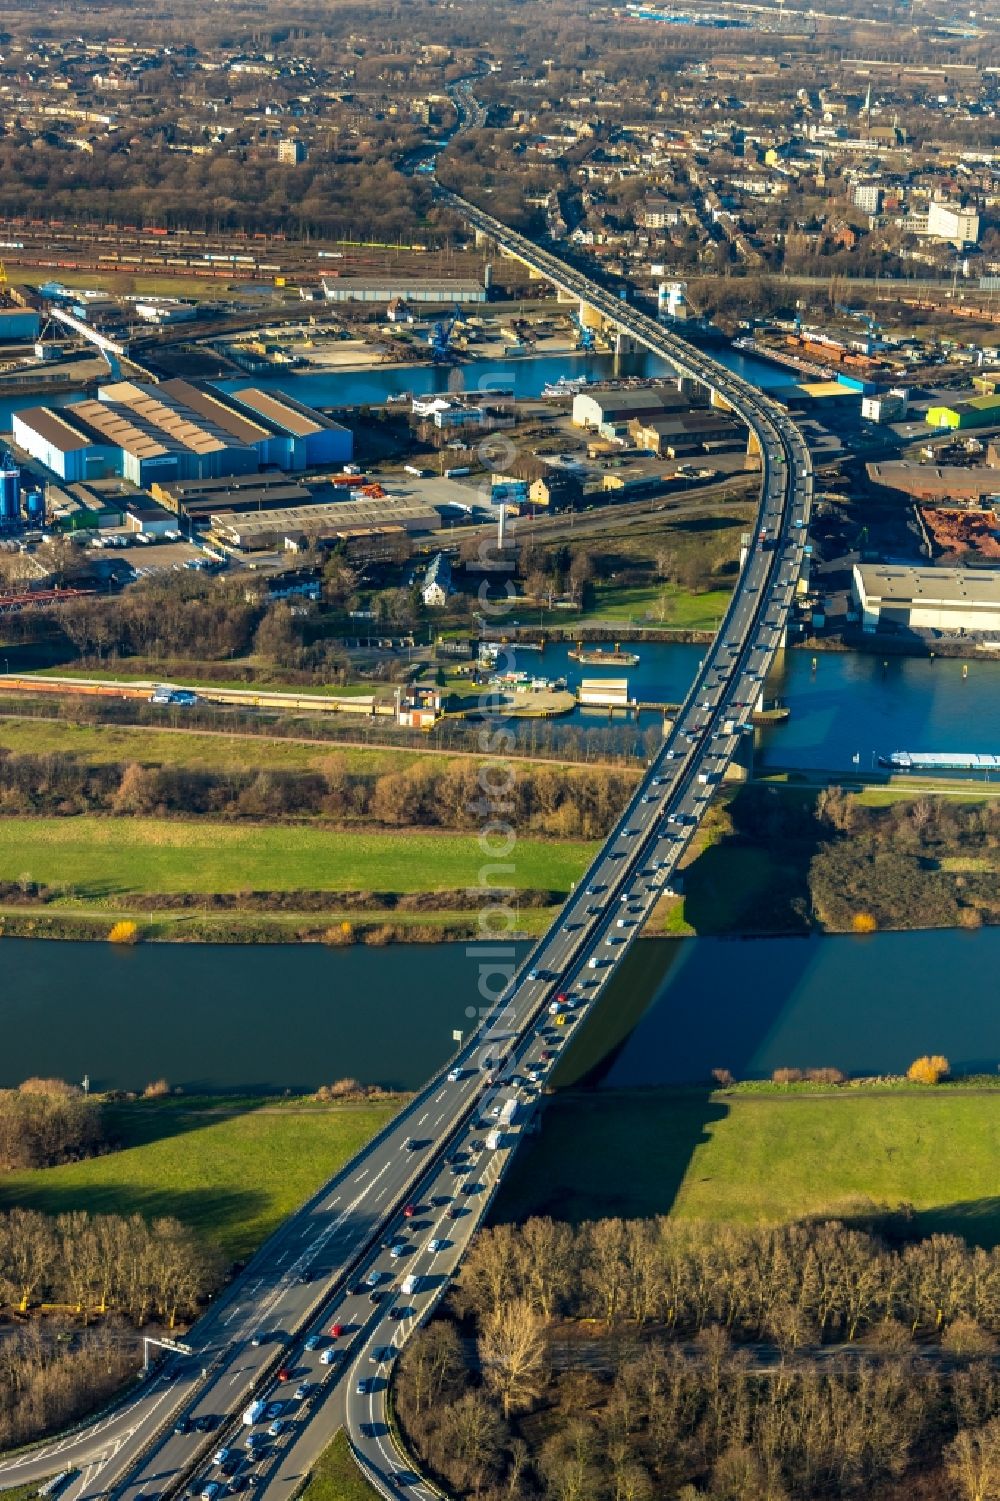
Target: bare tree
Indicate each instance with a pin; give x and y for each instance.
(512, 1352)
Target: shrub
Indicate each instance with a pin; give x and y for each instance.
(787, 1075)
(826, 1076)
(930, 1069)
(156, 1090)
(124, 932)
(339, 936)
(863, 922)
(722, 1077)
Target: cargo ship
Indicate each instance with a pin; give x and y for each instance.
(596, 656)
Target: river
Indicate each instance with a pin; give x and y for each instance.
(213, 1017)
(264, 1020)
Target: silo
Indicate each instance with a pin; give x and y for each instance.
(10, 490)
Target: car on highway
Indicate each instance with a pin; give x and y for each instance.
(373, 1279)
(276, 1428)
(312, 1343)
(363, 1386)
(183, 1425)
(221, 1455)
(210, 1490)
(274, 1410)
(301, 1392)
(454, 1074)
(409, 1210)
(436, 1245)
(329, 1357)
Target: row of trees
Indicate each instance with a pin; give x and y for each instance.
(45, 1385)
(794, 1285)
(44, 1122)
(495, 1419)
(546, 800)
(105, 1263)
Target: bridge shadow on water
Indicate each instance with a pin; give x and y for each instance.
(635, 1094)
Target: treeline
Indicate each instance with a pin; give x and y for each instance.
(44, 1122)
(699, 1371)
(705, 1423)
(793, 1285)
(46, 1385)
(546, 800)
(105, 1263)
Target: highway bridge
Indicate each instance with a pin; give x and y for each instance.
(331, 1298)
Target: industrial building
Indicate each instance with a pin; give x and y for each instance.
(978, 411)
(686, 432)
(886, 406)
(178, 431)
(955, 600)
(17, 323)
(602, 409)
(322, 521)
(936, 482)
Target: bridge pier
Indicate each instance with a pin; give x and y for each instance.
(718, 401)
(740, 768)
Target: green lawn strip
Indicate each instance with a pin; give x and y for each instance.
(99, 745)
(234, 1177)
(661, 605)
(336, 1477)
(765, 1158)
(105, 856)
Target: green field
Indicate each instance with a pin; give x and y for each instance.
(102, 857)
(232, 1170)
(658, 605)
(101, 745)
(336, 1477)
(766, 1157)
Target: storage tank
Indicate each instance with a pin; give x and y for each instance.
(10, 490)
(34, 506)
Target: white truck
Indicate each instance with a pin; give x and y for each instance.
(494, 1140)
(253, 1413)
(508, 1112)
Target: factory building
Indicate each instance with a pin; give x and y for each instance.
(62, 440)
(310, 440)
(178, 431)
(17, 323)
(603, 409)
(956, 600)
(979, 411)
(324, 521)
